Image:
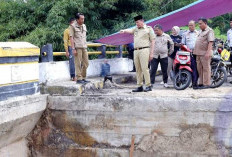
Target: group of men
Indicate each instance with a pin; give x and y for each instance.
(156, 47)
(151, 47)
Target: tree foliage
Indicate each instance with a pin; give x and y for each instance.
(43, 21)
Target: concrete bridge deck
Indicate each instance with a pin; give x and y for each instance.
(124, 84)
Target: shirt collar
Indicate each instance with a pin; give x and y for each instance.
(207, 28)
(144, 26)
(195, 31)
(79, 25)
(161, 35)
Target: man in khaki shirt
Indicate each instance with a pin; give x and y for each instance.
(79, 46)
(203, 51)
(143, 51)
(161, 53)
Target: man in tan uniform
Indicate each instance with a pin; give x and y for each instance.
(79, 46)
(143, 51)
(203, 51)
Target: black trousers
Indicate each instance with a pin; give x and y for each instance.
(164, 68)
(194, 68)
(231, 54)
(131, 56)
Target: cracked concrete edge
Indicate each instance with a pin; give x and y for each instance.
(77, 89)
(128, 104)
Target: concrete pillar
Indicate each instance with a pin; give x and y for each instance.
(119, 48)
(47, 53)
(103, 50)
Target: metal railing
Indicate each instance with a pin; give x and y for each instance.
(47, 53)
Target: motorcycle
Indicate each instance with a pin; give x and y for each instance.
(181, 73)
(221, 48)
(218, 71)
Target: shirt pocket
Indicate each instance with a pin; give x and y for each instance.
(78, 32)
(135, 33)
(188, 39)
(164, 42)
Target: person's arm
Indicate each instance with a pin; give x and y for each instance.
(210, 44)
(151, 56)
(209, 50)
(129, 31)
(66, 38)
(171, 49)
(152, 43)
(71, 35)
(228, 37)
(183, 41)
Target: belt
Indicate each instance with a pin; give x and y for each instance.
(140, 48)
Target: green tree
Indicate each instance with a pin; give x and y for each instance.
(43, 21)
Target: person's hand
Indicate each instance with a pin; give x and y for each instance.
(67, 54)
(207, 55)
(75, 52)
(122, 31)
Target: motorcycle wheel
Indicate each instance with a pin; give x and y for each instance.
(219, 78)
(184, 82)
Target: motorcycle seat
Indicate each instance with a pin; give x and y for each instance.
(216, 59)
(184, 53)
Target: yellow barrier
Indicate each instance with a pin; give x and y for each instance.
(91, 53)
(94, 52)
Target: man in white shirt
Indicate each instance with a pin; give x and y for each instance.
(229, 35)
(189, 39)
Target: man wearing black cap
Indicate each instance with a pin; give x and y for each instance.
(143, 51)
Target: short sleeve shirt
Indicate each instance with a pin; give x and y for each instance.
(203, 39)
(229, 37)
(143, 36)
(189, 39)
(79, 35)
(161, 45)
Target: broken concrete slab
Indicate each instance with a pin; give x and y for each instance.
(18, 118)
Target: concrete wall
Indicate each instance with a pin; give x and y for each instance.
(19, 69)
(18, 116)
(53, 71)
(163, 126)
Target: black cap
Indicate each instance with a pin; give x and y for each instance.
(139, 17)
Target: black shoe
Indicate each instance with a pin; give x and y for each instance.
(132, 71)
(80, 82)
(85, 81)
(152, 85)
(147, 89)
(139, 89)
(108, 77)
(200, 85)
(204, 87)
(195, 87)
